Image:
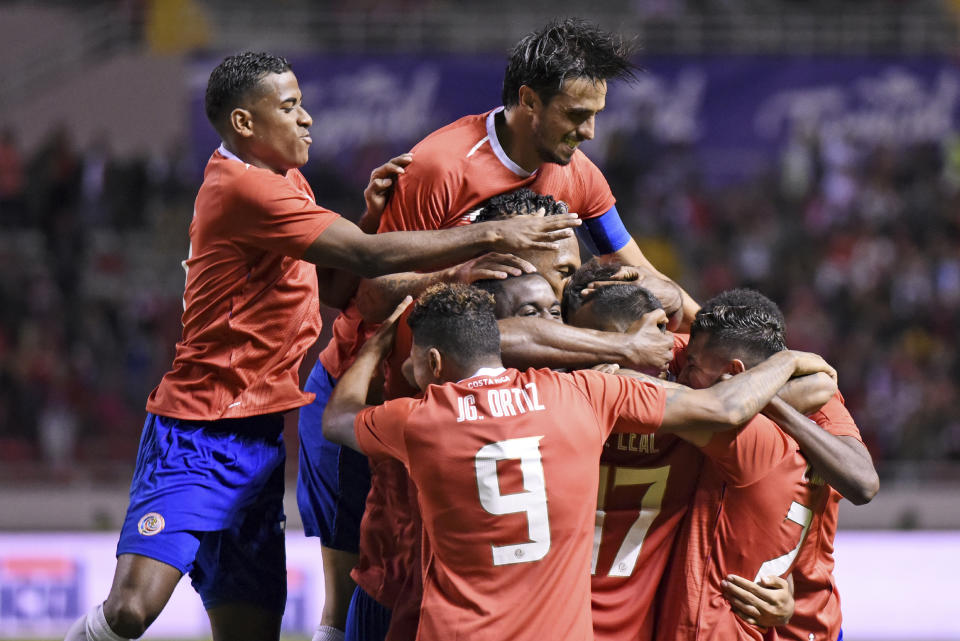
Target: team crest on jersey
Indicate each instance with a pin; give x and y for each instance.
(150, 524)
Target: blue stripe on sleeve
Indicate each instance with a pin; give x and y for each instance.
(604, 234)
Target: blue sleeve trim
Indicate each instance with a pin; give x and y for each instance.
(604, 234)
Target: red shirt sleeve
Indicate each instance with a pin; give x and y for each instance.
(629, 404)
(276, 213)
(380, 430)
(836, 419)
(594, 191)
(747, 454)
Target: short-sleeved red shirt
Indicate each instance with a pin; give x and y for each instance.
(817, 600)
(753, 507)
(504, 464)
(250, 304)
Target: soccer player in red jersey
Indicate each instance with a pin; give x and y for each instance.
(831, 441)
(504, 462)
(757, 496)
(206, 497)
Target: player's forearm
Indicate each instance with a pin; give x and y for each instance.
(807, 394)
(348, 399)
(377, 297)
(531, 342)
(839, 463)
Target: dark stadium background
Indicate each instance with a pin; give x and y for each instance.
(808, 149)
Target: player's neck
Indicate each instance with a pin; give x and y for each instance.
(467, 370)
(518, 147)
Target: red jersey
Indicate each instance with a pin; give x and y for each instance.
(646, 484)
(250, 304)
(506, 493)
(817, 611)
(753, 507)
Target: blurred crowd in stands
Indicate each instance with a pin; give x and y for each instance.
(859, 244)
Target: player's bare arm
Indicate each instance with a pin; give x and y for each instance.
(842, 461)
(807, 394)
(532, 342)
(337, 286)
(377, 297)
(766, 604)
(343, 244)
(734, 401)
(350, 395)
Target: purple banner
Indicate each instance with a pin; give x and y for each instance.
(735, 111)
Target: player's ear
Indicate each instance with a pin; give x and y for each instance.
(735, 366)
(529, 99)
(435, 361)
(241, 122)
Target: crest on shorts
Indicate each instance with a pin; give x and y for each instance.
(150, 524)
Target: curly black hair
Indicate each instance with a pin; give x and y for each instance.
(520, 202)
(743, 323)
(565, 48)
(458, 320)
(234, 78)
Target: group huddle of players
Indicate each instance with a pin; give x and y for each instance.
(525, 452)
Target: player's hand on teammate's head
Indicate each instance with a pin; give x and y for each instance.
(382, 339)
(491, 265)
(382, 180)
(766, 604)
(651, 347)
(626, 274)
(809, 363)
(522, 233)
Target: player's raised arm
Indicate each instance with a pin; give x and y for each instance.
(350, 394)
(343, 244)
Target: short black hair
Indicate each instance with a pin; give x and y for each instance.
(565, 48)
(233, 79)
(622, 304)
(743, 323)
(458, 320)
(521, 201)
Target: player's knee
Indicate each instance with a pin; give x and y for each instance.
(128, 615)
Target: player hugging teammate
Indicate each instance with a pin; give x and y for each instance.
(541, 469)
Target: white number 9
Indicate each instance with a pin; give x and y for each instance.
(533, 500)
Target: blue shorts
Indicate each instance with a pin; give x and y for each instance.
(332, 481)
(207, 498)
(367, 620)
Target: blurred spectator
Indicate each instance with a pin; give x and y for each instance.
(12, 180)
